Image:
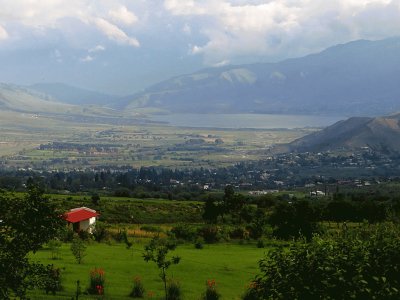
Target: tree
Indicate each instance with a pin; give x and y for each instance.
(157, 251)
(292, 220)
(211, 210)
(78, 249)
(357, 263)
(95, 199)
(26, 223)
(232, 202)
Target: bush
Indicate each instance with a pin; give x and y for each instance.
(361, 263)
(150, 228)
(100, 232)
(54, 246)
(84, 235)
(122, 192)
(251, 293)
(211, 291)
(260, 243)
(97, 280)
(67, 234)
(211, 233)
(198, 244)
(174, 290)
(78, 249)
(184, 232)
(44, 277)
(239, 233)
(138, 288)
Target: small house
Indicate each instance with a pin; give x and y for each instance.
(82, 219)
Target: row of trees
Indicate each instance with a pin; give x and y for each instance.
(295, 218)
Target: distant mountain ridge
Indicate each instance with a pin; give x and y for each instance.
(26, 100)
(22, 99)
(73, 95)
(358, 78)
(380, 134)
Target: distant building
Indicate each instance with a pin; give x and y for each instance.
(317, 193)
(82, 219)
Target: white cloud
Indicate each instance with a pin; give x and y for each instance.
(220, 30)
(98, 48)
(3, 33)
(123, 15)
(283, 28)
(39, 16)
(113, 32)
(87, 58)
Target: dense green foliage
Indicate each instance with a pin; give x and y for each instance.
(359, 263)
(26, 223)
(292, 220)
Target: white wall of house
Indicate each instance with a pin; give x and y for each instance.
(87, 225)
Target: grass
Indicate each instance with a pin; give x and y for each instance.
(231, 265)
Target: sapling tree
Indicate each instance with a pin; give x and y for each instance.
(78, 249)
(157, 251)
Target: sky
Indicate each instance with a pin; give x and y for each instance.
(123, 46)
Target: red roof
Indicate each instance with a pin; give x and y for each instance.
(80, 214)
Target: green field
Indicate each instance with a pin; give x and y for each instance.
(231, 265)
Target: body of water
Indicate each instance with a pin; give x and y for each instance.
(257, 121)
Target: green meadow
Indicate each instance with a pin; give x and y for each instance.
(232, 265)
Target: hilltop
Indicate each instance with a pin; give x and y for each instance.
(357, 78)
(380, 134)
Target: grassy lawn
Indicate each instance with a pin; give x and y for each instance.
(231, 265)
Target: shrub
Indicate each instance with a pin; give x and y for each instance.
(78, 249)
(97, 280)
(251, 292)
(67, 234)
(211, 233)
(260, 243)
(184, 232)
(150, 228)
(239, 233)
(198, 244)
(360, 263)
(211, 291)
(174, 290)
(138, 288)
(54, 246)
(52, 282)
(100, 232)
(84, 235)
(122, 192)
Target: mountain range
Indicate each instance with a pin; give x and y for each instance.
(357, 78)
(380, 134)
(360, 78)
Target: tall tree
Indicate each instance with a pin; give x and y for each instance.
(26, 223)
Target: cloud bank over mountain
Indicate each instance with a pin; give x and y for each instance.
(141, 42)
